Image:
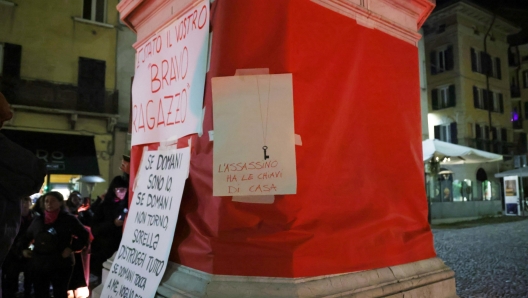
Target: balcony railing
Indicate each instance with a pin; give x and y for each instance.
(495, 146)
(46, 94)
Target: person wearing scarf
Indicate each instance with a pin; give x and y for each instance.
(107, 224)
(56, 235)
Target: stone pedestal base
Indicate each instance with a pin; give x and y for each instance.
(428, 278)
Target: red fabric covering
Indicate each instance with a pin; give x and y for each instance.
(360, 200)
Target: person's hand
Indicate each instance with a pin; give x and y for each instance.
(66, 252)
(118, 222)
(26, 253)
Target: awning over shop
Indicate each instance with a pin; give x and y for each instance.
(63, 153)
(456, 154)
(522, 172)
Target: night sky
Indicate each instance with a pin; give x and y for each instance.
(494, 4)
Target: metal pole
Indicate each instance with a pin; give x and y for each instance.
(48, 182)
(490, 100)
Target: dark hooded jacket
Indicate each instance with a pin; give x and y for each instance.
(68, 231)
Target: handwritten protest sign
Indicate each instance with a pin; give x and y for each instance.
(254, 140)
(143, 253)
(168, 88)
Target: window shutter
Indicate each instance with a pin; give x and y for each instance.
(473, 60)
(452, 96)
(453, 132)
(434, 96)
(437, 132)
(485, 99)
(493, 133)
(12, 60)
(433, 62)
(450, 63)
(478, 132)
(504, 135)
(498, 65)
(476, 97)
(486, 63)
(501, 103)
(490, 100)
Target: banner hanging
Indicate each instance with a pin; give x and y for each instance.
(147, 239)
(168, 88)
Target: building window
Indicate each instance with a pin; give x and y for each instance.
(442, 60)
(497, 73)
(446, 132)
(498, 102)
(91, 84)
(482, 62)
(484, 99)
(480, 98)
(443, 97)
(482, 136)
(525, 78)
(476, 65)
(94, 10)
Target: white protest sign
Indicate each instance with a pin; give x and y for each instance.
(254, 139)
(168, 87)
(144, 250)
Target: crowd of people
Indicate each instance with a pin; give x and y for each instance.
(60, 242)
(56, 244)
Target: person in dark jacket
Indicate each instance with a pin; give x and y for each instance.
(81, 270)
(21, 175)
(75, 207)
(14, 262)
(55, 235)
(107, 224)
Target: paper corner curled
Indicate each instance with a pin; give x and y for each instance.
(298, 140)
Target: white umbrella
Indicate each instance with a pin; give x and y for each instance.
(522, 172)
(448, 153)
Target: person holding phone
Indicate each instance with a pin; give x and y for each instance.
(107, 224)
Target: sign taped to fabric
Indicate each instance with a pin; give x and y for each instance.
(143, 253)
(168, 87)
(254, 141)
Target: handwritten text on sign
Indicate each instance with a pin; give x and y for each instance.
(254, 142)
(168, 88)
(144, 250)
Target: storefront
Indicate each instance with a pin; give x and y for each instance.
(67, 157)
(459, 182)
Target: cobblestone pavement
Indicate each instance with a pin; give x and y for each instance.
(489, 260)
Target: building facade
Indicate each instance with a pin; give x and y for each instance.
(470, 104)
(58, 72)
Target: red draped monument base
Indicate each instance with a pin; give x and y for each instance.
(360, 201)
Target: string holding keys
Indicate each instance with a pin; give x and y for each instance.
(265, 155)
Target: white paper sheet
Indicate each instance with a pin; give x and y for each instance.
(251, 112)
